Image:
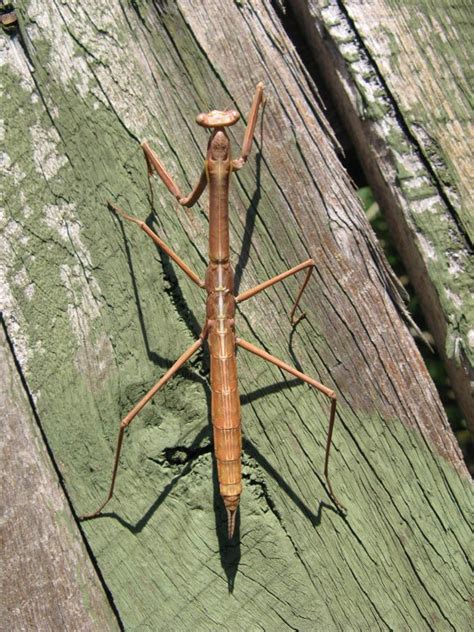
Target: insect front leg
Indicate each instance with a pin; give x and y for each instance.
(238, 163)
(154, 164)
(309, 264)
(317, 385)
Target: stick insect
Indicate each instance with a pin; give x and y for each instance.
(219, 327)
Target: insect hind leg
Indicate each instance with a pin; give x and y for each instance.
(318, 386)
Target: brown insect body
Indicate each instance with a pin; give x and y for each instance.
(220, 311)
(219, 329)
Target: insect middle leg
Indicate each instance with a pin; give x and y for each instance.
(127, 420)
(317, 385)
(309, 264)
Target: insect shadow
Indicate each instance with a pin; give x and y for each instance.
(250, 219)
(230, 552)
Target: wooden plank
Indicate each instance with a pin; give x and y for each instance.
(97, 314)
(398, 76)
(423, 57)
(48, 580)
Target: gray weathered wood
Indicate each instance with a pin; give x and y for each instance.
(97, 314)
(48, 581)
(397, 74)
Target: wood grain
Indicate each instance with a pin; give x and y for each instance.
(48, 581)
(97, 315)
(399, 75)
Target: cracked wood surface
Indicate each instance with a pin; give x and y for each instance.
(398, 74)
(96, 315)
(48, 581)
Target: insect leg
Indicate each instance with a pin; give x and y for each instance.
(154, 164)
(238, 163)
(263, 286)
(134, 412)
(317, 385)
(159, 242)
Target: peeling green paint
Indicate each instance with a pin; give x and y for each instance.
(114, 320)
(418, 114)
(419, 192)
(416, 183)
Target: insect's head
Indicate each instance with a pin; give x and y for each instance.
(217, 118)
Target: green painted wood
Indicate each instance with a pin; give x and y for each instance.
(48, 580)
(398, 73)
(96, 315)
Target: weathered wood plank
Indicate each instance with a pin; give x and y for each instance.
(48, 581)
(96, 315)
(397, 74)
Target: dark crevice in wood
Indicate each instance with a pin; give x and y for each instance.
(390, 98)
(23, 39)
(416, 321)
(36, 73)
(136, 7)
(182, 454)
(57, 471)
(348, 156)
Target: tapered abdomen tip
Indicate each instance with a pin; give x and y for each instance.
(231, 515)
(231, 506)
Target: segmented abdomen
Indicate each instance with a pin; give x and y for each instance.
(225, 408)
